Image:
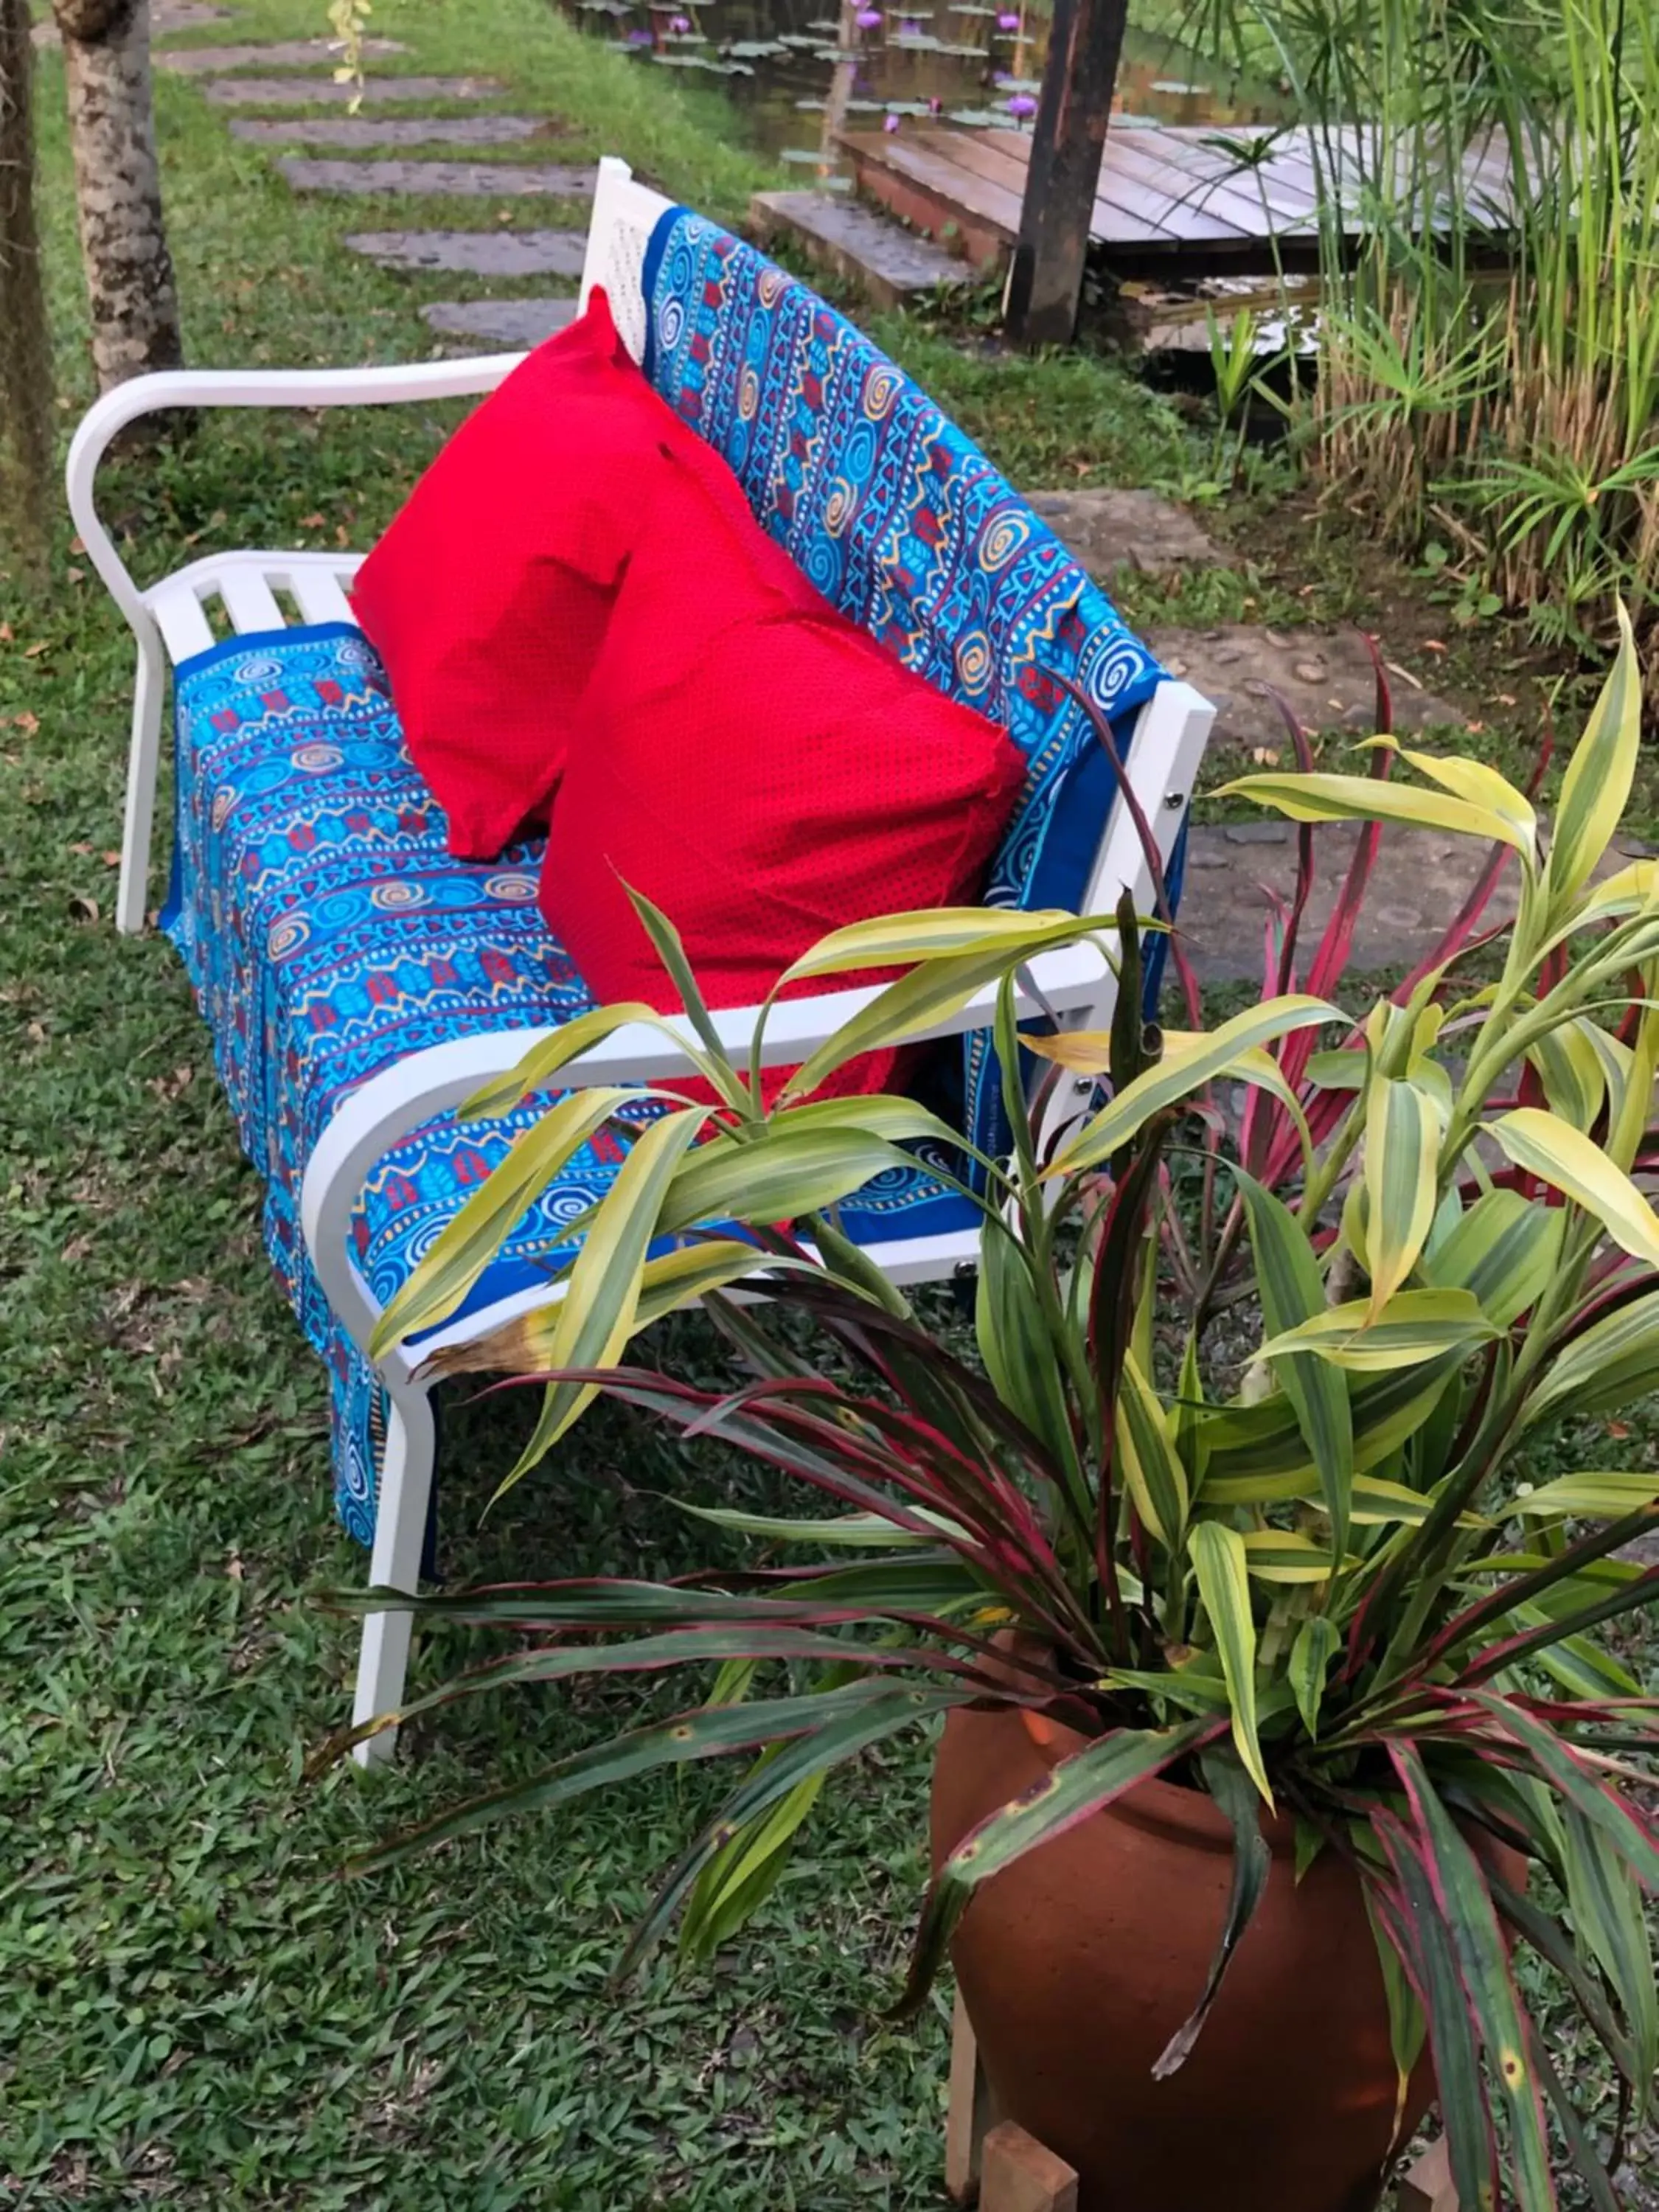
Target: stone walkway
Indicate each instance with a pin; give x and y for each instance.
(1235, 870)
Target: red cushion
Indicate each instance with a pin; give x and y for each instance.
(761, 768)
(487, 597)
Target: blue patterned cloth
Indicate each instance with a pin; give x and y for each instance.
(905, 526)
(327, 931)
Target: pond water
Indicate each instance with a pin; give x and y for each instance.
(802, 70)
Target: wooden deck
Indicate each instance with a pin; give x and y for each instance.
(1166, 198)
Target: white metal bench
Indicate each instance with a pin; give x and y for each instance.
(170, 622)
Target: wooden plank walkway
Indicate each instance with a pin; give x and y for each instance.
(1168, 193)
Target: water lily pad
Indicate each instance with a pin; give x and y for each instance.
(753, 49)
(983, 119)
(1178, 90)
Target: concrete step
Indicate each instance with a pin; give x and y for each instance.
(370, 134)
(888, 264)
(496, 180)
(501, 322)
(282, 53)
(323, 92)
(479, 252)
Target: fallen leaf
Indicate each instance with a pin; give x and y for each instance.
(33, 652)
(1506, 699)
(81, 848)
(1310, 672)
(234, 1567)
(6, 633)
(314, 522)
(1405, 674)
(1264, 756)
(1434, 645)
(74, 575)
(1619, 1431)
(28, 723)
(111, 859)
(1474, 729)
(77, 545)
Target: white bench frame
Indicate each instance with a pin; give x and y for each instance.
(170, 624)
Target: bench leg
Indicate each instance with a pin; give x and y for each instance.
(143, 757)
(400, 1511)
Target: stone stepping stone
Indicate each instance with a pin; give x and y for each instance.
(1107, 530)
(457, 180)
(1417, 888)
(1326, 678)
(481, 252)
(283, 53)
(308, 91)
(501, 322)
(888, 264)
(367, 133)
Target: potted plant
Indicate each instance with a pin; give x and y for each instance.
(1275, 1713)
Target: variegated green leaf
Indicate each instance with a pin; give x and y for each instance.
(1591, 1496)
(1612, 1361)
(599, 1311)
(467, 1245)
(1220, 1565)
(1573, 1073)
(1156, 1479)
(542, 1061)
(1254, 1455)
(1322, 797)
(1286, 1555)
(1184, 1069)
(1413, 1326)
(928, 996)
(783, 1174)
(1573, 1163)
(1292, 1292)
(1403, 1154)
(1478, 785)
(1317, 1643)
(947, 932)
(1503, 1251)
(1597, 783)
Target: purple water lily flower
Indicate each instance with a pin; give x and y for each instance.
(640, 39)
(867, 18)
(890, 123)
(935, 105)
(679, 22)
(1007, 22)
(1020, 103)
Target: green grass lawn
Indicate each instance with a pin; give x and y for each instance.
(194, 2009)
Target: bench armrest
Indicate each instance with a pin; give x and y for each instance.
(391, 1105)
(236, 387)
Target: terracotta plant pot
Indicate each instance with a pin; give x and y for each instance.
(1078, 1963)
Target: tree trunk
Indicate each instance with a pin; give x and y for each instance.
(1045, 283)
(25, 335)
(134, 305)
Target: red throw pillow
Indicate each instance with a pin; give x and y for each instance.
(765, 772)
(488, 597)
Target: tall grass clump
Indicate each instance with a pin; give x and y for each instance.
(1489, 347)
